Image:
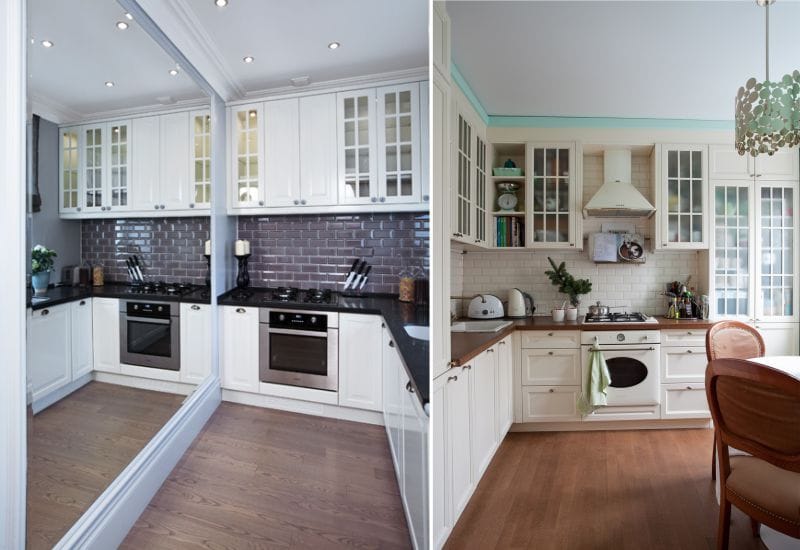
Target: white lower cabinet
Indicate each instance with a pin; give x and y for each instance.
(360, 373)
(550, 375)
(81, 337)
(459, 437)
(392, 397)
(49, 350)
(555, 367)
(779, 338)
(440, 465)
(105, 334)
(504, 391)
(683, 364)
(550, 404)
(240, 348)
(195, 343)
(684, 401)
(482, 409)
(683, 374)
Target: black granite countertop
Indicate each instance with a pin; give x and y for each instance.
(396, 314)
(65, 294)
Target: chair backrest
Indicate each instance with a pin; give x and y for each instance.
(756, 409)
(733, 339)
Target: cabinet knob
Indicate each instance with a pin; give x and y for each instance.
(689, 333)
(452, 378)
(261, 203)
(572, 244)
(549, 333)
(78, 209)
(466, 367)
(425, 198)
(162, 207)
(490, 350)
(502, 342)
(383, 199)
(83, 303)
(689, 351)
(391, 343)
(303, 202)
(196, 307)
(191, 205)
(409, 387)
(458, 234)
(551, 390)
(45, 312)
(296, 201)
(374, 199)
(550, 353)
(759, 175)
(240, 310)
(156, 207)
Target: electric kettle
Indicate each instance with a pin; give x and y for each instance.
(520, 304)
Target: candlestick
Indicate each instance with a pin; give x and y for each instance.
(208, 273)
(243, 278)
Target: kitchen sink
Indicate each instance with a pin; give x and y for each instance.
(492, 325)
(420, 332)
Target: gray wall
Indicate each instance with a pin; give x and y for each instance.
(46, 228)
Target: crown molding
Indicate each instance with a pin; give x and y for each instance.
(50, 109)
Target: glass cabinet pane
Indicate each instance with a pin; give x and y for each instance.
(463, 182)
(551, 195)
(118, 164)
(732, 250)
(93, 167)
(69, 169)
(480, 189)
(398, 143)
(201, 159)
(684, 196)
(356, 147)
(777, 252)
(247, 155)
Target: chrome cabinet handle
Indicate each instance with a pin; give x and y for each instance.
(162, 207)
(261, 203)
(196, 307)
(156, 207)
(45, 312)
(391, 343)
(425, 198)
(458, 234)
(303, 202)
(550, 353)
(83, 303)
(551, 390)
(383, 325)
(466, 367)
(688, 387)
(240, 310)
(502, 342)
(374, 199)
(549, 333)
(452, 378)
(383, 199)
(688, 333)
(191, 205)
(490, 350)
(409, 387)
(78, 209)
(296, 201)
(689, 351)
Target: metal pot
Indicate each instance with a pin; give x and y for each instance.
(598, 310)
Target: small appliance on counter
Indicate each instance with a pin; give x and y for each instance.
(520, 304)
(485, 306)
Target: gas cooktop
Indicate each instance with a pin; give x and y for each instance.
(291, 295)
(160, 288)
(632, 318)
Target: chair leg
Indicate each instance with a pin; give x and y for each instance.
(714, 458)
(756, 527)
(723, 531)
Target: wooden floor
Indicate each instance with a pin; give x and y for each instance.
(598, 490)
(260, 478)
(79, 445)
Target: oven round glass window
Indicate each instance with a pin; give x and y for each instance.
(626, 372)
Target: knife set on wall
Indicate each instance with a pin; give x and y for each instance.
(357, 278)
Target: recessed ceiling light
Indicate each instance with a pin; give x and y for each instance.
(333, 45)
(221, 3)
(249, 59)
(47, 44)
(122, 25)
(129, 16)
(109, 84)
(173, 72)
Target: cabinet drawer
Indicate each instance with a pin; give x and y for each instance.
(550, 339)
(684, 401)
(550, 403)
(683, 364)
(684, 337)
(555, 367)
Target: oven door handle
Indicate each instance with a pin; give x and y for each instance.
(290, 332)
(617, 350)
(151, 320)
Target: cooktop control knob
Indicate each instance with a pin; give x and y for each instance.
(313, 320)
(281, 317)
(160, 308)
(620, 337)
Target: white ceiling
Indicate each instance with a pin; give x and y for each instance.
(289, 38)
(67, 81)
(652, 59)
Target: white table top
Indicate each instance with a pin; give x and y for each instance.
(789, 364)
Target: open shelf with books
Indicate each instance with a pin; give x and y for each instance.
(509, 185)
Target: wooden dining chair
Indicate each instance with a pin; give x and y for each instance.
(734, 340)
(756, 409)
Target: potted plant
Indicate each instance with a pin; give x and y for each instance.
(568, 284)
(41, 266)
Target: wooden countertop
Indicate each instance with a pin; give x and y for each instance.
(466, 345)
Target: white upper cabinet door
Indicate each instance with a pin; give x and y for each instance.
(247, 143)
(174, 188)
(105, 334)
(424, 125)
(49, 350)
(93, 168)
(70, 173)
(356, 138)
(441, 39)
(145, 140)
(118, 164)
(317, 155)
(200, 160)
(281, 152)
(683, 201)
(195, 343)
(553, 211)
(398, 144)
(725, 163)
(360, 365)
(440, 219)
(81, 337)
(240, 348)
(783, 165)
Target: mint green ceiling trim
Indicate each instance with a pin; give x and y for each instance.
(500, 121)
(467, 91)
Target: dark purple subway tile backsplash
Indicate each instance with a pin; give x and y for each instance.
(306, 251)
(170, 249)
(317, 251)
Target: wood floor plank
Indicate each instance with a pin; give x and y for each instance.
(259, 478)
(598, 490)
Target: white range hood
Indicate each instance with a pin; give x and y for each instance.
(618, 198)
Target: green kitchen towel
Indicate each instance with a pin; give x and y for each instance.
(595, 387)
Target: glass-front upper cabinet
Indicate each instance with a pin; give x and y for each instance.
(777, 256)
(552, 204)
(200, 180)
(399, 143)
(118, 164)
(356, 136)
(480, 190)
(461, 215)
(683, 212)
(732, 256)
(70, 170)
(247, 144)
(93, 137)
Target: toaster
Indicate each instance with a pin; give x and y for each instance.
(485, 306)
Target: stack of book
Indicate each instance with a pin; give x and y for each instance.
(510, 231)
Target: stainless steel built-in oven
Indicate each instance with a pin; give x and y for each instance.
(299, 348)
(150, 334)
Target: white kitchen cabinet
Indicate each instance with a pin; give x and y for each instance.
(200, 160)
(195, 342)
(317, 153)
(504, 392)
(398, 128)
(392, 397)
(360, 368)
(145, 164)
(105, 334)
(682, 213)
(779, 338)
(357, 138)
(553, 212)
(468, 217)
(550, 404)
(414, 487)
(725, 163)
(240, 333)
(553, 367)
(482, 410)
(246, 142)
(683, 364)
(105, 167)
(49, 351)
(684, 401)
(459, 437)
(81, 337)
(70, 170)
(424, 125)
(684, 337)
(551, 339)
(440, 471)
(174, 184)
(93, 168)
(282, 152)
(441, 39)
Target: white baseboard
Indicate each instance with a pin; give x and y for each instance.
(303, 407)
(106, 523)
(145, 383)
(611, 425)
(55, 396)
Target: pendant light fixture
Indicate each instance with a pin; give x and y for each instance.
(768, 113)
